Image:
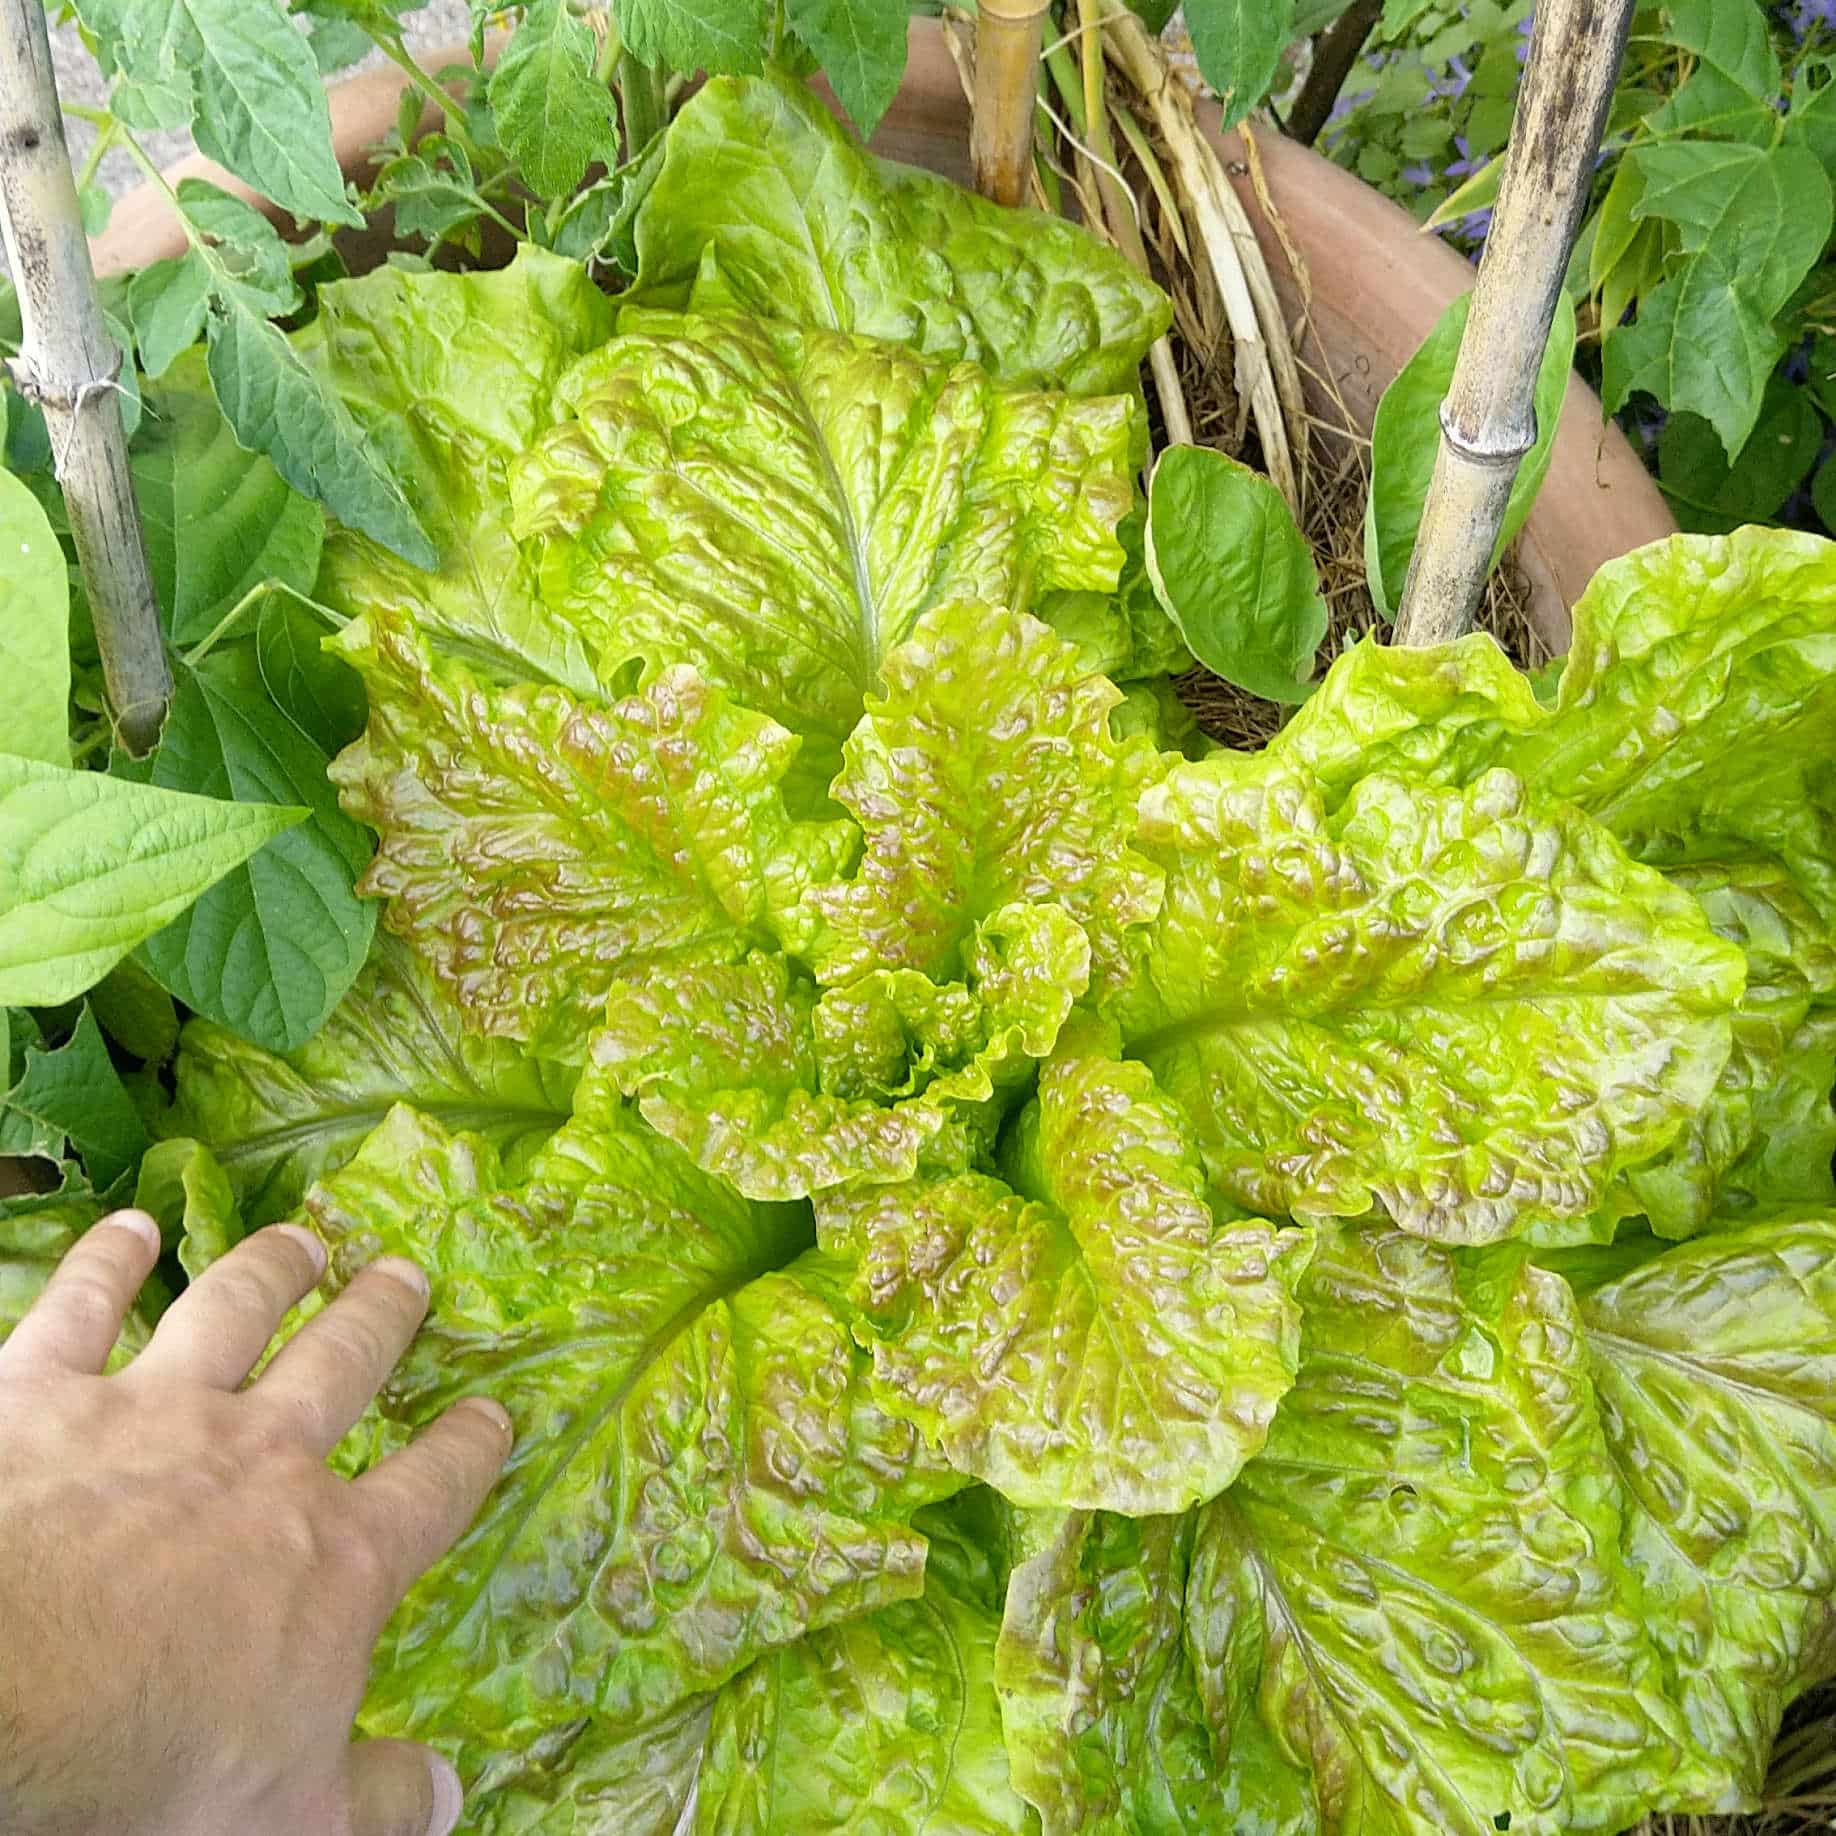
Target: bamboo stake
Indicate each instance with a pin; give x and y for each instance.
(69, 365)
(1488, 421)
(1008, 36)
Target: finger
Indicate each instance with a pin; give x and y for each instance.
(326, 1374)
(398, 1788)
(74, 1323)
(214, 1332)
(422, 1498)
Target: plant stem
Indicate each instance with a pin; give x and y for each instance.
(409, 65)
(69, 364)
(1488, 421)
(1008, 34)
(1335, 51)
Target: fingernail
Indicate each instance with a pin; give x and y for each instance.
(448, 1797)
(298, 1233)
(399, 1268)
(492, 1410)
(140, 1224)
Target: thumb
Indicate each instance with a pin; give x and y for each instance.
(399, 1788)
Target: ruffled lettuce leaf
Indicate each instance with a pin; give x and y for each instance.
(1088, 1336)
(782, 1092)
(985, 772)
(1469, 1006)
(278, 1124)
(454, 375)
(1411, 1612)
(765, 204)
(1715, 1367)
(700, 1475)
(534, 846)
(777, 506)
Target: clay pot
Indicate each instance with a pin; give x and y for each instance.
(1377, 285)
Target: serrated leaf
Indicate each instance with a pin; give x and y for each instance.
(75, 1093)
(860, 45)
(168, 301)
(271, 949)
(278, 1124)
(1239, 45)
(554, 117)
(722, 37)
(34, 629)
(90, 866)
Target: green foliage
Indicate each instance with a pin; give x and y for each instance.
(553, 114)
(34, 629)
(1239, 44)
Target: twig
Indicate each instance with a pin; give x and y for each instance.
(1008, 34)
(1488, 421)
(70, 366)
(1335, 51)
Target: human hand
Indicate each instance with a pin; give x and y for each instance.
(188, 1596)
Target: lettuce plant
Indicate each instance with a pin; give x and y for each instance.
(1050, 1277)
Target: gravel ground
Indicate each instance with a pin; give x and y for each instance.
(79, 81)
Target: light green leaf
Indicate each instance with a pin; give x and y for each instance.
(1389, 1001)
(218, 521)
(535, 848)
(698, 1477)
(1411, 1611)
(963, 815)
(183, 1186)
(1234, 572)
(75, 1093)
(271, 949)
(1730, 35)
(1716, 1370)
(168, 301)
(1093, 1339)
(764, 204)
(1239, 44)
(34, 629)
(278, 1124)
(860, 45)
(404, 352)
(724, 38)
(1407, 436)
(553, 115)
(91, 866)
(782, 1093)
(778, 506)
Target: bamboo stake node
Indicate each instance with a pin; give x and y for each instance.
(1488, 421)
(71, 367)
(1009, 35)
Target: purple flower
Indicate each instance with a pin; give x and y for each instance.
(1453, 85)
(1806, 16)
(1420, 175)
(1466, 165)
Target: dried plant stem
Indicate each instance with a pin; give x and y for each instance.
(1267, 372)
(1335, 51)
(1008, 35)
(69, 365)
(1488, 421)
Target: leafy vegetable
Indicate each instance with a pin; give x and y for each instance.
(34, 629)
(73, 1098)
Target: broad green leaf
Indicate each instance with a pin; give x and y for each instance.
(1234, 572)
(404, 352)
(1093, 1339)
(240, 248)
(91, 866)
(860, 45)
(777, 506)
(1710, 495)
(1239, 44)
(146, 50)
(75, 1094)
(320, 694)
(169, 300)
(699, 1476)
(35, 1233)
(725, 37)
(554, 116)
(1411, 1611)
(1713, 105)
(218, 521)
(182, 1184)
(1105, 1730)
(535, 848)
(1811, 120)
(1730, 35)
(1407, 435)
(271, 949)
(782, 1092)
(1716, 1371)
(887, 1723)
(763, 203)
(1391, 1000)
(278, 1124)
(34, 629)
(963, 815)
